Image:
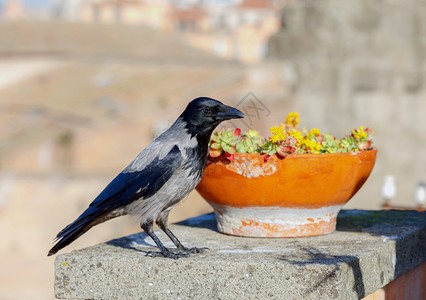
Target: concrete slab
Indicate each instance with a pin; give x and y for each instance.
(368, 250)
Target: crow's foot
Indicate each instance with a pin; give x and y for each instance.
(167, 254)
(195, 250)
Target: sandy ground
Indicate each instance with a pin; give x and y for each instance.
(15, 70)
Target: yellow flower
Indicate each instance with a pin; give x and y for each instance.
(314, 132)
(278, 134)
(296, 134)
(310, 145)
(360, 133)
(274, 138)
(275, 129)
(292, 119)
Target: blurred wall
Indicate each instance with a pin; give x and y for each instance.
(360, 62)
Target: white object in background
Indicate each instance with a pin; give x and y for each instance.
(7, 182)
(420, 194)
(389, 188)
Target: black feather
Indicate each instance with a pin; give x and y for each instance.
(123, 189)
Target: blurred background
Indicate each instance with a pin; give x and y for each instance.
(86, 84)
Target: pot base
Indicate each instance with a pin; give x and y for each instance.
(276, 221)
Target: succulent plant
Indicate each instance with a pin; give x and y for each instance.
(224, 141)
(287, 139)
(250, 142)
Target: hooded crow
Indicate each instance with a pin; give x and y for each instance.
(158, 178)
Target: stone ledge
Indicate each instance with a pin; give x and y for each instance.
(368, 250)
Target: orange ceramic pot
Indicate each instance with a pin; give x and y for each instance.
(300, 195)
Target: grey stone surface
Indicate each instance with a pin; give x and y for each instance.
(368, 250)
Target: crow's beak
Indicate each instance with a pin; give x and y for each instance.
(228, 112)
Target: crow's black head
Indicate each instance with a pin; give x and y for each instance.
(203, 114)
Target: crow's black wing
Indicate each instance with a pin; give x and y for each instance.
(132, 185)
(123, 189)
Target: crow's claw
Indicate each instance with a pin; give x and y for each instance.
(167, 254)
(195, 250)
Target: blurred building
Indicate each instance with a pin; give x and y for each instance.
(240, 31)
(18, 10)
(12, 10)
(230, 29)
(132, 12)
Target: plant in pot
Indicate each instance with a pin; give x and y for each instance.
(291, 184)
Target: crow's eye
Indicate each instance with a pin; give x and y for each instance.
(207, 110)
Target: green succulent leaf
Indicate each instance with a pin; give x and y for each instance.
(287, 139)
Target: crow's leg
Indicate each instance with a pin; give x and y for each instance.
(147, 227)
(162, 223)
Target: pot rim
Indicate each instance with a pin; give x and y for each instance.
(301, 155)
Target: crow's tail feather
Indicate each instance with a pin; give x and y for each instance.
(68, 239)
(89, 218)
